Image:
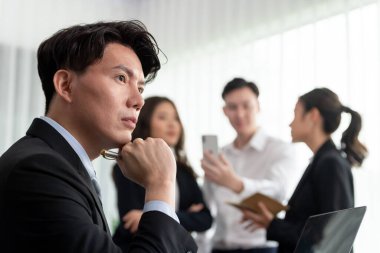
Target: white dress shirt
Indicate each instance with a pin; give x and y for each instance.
(265, 164)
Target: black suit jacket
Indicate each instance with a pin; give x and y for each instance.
(189, 194)
(326, 185)
(48, 203)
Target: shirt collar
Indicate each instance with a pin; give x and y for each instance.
(257, 141)
(76, 146)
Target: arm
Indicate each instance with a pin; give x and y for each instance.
(274, 184)
(333, 184)
(193, 213)
(151, 164)
(278, 173)
(284, 232)
(51, 209)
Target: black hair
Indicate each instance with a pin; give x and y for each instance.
(77, 47)
(330, 108)
(238, 83)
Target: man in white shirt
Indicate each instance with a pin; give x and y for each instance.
(253, 162)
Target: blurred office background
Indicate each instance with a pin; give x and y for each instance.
(287, 47)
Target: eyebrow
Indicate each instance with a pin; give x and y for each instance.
(129, 72)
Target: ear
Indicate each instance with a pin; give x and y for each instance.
(315, 115)
(225, 110)
(62, 83)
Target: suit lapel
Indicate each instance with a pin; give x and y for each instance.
(55, 140)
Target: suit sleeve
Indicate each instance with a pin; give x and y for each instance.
(54, 214)
(190, 194)
(129, 194)
(284, 232)
(332, 189)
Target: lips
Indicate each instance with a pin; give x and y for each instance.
(172, 134)
(129, 122)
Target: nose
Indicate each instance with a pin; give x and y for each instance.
(135, 99)
(291, 123)
(240, 112)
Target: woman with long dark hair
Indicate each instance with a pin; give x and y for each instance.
(327, 183)
(159, 119)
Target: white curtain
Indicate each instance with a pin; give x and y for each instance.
(288, 47)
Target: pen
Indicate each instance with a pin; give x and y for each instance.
(110, 155)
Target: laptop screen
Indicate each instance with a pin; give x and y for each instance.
(332, 232)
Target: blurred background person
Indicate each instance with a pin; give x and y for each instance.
(254, 162)
(327, 183)
(159, 119)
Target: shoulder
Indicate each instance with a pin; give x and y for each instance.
(278, 148)
(332, 162)
(30, 152)
(31, 160)
(332, 157)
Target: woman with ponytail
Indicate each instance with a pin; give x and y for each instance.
(327, 183)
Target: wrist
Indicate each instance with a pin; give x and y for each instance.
(163, 191)
(237, 185)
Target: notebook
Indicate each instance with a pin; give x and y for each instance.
(251, 203)
(332, 232)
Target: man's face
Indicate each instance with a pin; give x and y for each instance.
(241, 108)
(106, 98)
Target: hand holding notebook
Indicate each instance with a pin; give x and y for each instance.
(251, 203)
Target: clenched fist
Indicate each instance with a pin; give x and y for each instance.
(151, 164)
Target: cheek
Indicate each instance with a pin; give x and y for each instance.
(157, 130)
(178, 127)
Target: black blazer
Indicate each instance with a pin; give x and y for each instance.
(48, 203)
(189, 194)
(326, 185)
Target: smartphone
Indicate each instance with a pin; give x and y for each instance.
(210, 142)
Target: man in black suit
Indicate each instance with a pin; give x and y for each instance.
(92, 76)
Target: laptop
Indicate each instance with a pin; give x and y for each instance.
(332, 232)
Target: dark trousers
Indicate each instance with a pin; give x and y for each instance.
(254, 250)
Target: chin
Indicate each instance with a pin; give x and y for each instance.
(122, 140)
(171, 143)
(295, 140)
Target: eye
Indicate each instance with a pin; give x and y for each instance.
(141, 90)
(121, 78)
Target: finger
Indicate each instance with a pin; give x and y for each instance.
(249, 226)
(196, 208)
(134, 226)
(256, 218)
(223, 159)
(265, 211)
(210, 157)
(247, 214)
(139, 140)
(125, 217)
(128, 223)
(209, 167)
(212, 175)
